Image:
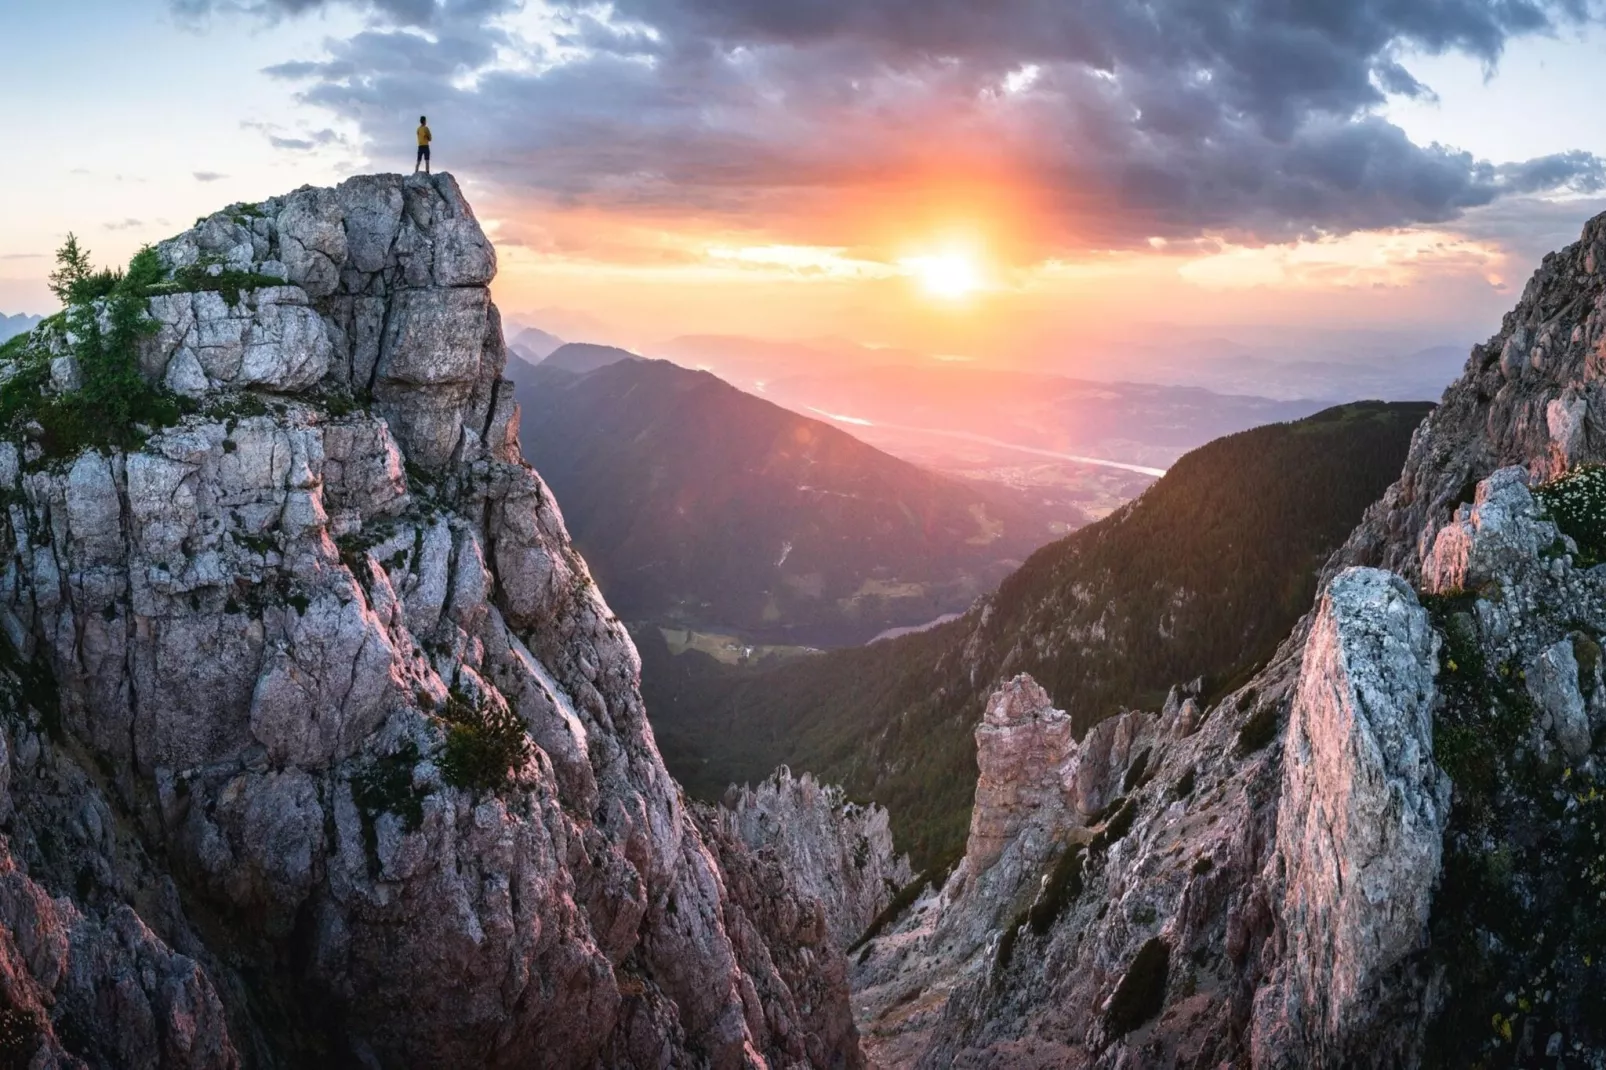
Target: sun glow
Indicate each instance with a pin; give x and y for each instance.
(950, 276)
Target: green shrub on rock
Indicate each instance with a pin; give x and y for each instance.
(104, 319)
(485, 743)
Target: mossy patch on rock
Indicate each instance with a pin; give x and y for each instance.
(1183, 788)
(1258, 730)
(1116, 828)
(1064, 884)
(900, 902)
(385, 785)
(1516, 927)
(1137, 774)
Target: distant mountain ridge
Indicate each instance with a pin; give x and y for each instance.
(18, 323)
(700, 504)
(746, 361)
(584, 357)
(1139, 423)
(534, 345)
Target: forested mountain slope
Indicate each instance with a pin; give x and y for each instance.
(1203, 575)
(701, 505)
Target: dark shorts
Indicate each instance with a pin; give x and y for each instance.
(423, 152)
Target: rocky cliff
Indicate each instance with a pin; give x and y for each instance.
(320, 744)
(1384, 849)
(837, 852)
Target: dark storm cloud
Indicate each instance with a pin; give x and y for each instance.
(1250, 119)
(1276, 61)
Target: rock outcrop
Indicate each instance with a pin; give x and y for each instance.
(1040, 818)
(836, 852)
(1384, 848)
(1362, 814)
(271, 807)
(1021, 745)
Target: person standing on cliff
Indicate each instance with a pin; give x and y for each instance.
(424, 138)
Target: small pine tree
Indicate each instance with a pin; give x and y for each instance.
(72, 270)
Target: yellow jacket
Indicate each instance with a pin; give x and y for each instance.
(423, 135)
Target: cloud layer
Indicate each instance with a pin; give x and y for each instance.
(1066, 124)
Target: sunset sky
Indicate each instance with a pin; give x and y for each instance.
(1005, 181)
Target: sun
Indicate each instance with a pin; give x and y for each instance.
(950, 276)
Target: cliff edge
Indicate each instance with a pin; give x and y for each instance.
(321, 744)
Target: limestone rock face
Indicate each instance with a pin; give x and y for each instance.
(1362, 813)
(266, 632)
(1499, 538)
(1530, 397)
(1021, 746)
(837, 852)
(398, 268)
(1553, 683)
(88, 982)
(784, 942)
(940, 964)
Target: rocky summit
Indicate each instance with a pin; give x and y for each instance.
(320, 746)
(1384, 849)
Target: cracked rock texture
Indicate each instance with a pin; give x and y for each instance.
(1020, 746)
(1362, 813)
(836, 851)
(235, 656)
(1382, 850)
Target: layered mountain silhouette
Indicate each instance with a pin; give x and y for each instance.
(583, 357)
(13, 325)
(702, 505)
(533, 345)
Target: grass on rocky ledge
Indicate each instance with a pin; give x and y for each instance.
(901, 901)
(213, 277)
(1141, 993)
(385, 785)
